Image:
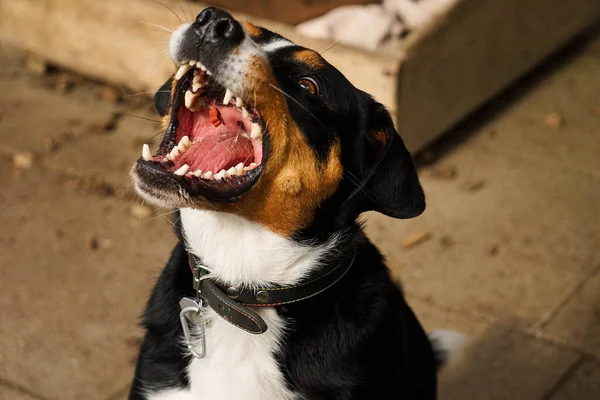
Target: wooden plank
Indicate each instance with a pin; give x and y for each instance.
(287, 11)
(120, 41)
(475, 52)
(449, 69)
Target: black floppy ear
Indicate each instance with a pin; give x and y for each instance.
(162, 98)
(390, 178)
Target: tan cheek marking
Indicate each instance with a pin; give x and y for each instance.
(252, 29)
(310, 58)
(290, 182)
(285, 199)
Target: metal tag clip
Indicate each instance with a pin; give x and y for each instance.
(190, 311)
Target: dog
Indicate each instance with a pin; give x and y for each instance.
(274, 291)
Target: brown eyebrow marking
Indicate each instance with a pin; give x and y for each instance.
(310, 58)
(252, 29)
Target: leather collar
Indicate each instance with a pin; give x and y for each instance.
(234, 303)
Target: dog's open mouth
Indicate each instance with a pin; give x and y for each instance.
(214, 145)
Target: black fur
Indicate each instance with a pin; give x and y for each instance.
(359, 339)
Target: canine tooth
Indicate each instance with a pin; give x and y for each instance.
(231, 171)
(174, 153)
(189, 99)
(197, 173)
(245, 112)
(255, 132)
(220, 174)
(196, 78)
(196, 86)
(184, 144)
(239, 102)
(208, 175)
(228, 96)
(182, 70)
(146, 155)
(182, 170)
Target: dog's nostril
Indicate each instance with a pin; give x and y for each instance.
(233, 30)
(216, 26)
(222, 28)
(204, 16)
(229, 29)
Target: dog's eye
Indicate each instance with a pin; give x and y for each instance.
(309, 84)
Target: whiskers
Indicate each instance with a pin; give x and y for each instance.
(160, 27)
(169, 9)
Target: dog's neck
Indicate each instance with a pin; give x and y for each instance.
(240, 252)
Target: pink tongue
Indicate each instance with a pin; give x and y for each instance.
(215, 153)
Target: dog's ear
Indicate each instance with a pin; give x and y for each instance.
(162, 98)
(389, 180)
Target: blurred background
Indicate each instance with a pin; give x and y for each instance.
(499, 101)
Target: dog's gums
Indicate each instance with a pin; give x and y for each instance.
(212, 137)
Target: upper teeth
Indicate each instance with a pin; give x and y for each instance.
(256, 132)
(182, 71)
(228, 96)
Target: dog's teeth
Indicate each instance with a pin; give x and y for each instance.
(202, 67)
(182, 70)
(208, 73)
(196, 87)
(192, 63)
(196, 77)
(256, 132)
(220, 174)
(189, 99)
(208, 175)
(228, 96)
(182, 170)
(198, 173)
(253, 165)
(245, 112)
(231, 171)
(184, 144)
(239, 169)
(146, 155)
(174, 153)
(239, 102)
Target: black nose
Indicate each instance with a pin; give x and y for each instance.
(218, 26)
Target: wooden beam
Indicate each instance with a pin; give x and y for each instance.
(124, 42)
(443, 73)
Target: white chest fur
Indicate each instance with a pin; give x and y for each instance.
(240, 365)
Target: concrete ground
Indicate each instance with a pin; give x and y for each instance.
(507, 252)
